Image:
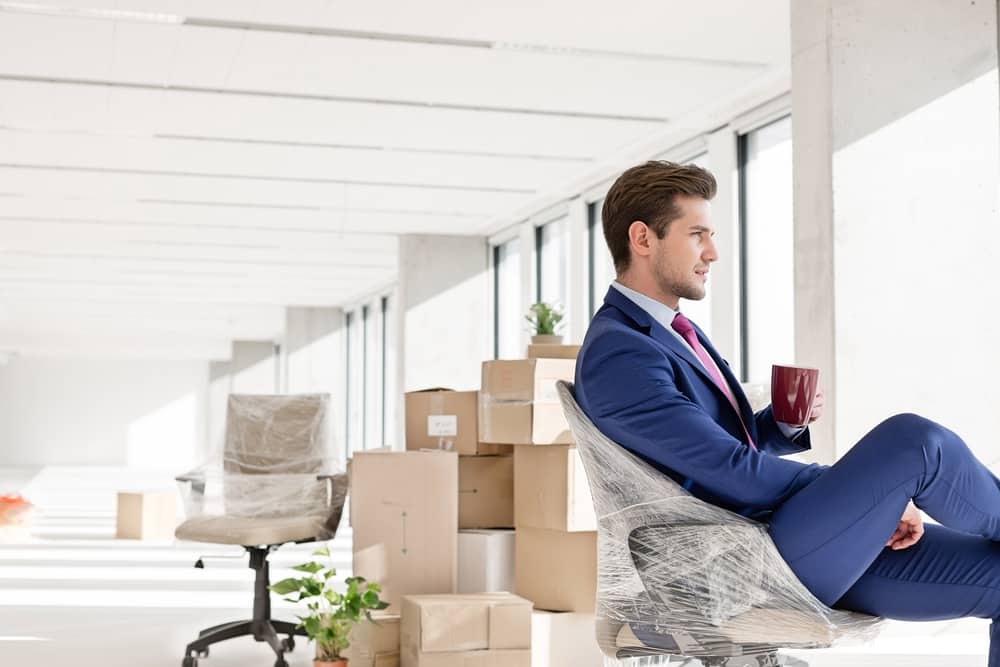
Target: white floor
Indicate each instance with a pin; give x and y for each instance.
(73, 595)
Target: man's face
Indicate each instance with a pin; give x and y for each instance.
(680, 260)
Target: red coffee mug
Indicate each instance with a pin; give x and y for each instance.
(793, 389)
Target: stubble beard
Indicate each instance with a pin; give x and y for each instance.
(681, 289)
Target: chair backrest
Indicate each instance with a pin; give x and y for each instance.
(275, 446)
(273, 434)
(676, 566)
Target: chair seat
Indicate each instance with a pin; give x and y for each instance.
(245, 531)
(776, 627)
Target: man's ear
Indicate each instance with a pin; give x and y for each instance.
(638, 238)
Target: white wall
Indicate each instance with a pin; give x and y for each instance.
(145, 414)
(446, 323)
(895, 111)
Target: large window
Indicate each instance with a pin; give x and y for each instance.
(700, 312)
(602, 268)
(550, 247)
(508, 317)
(371, 408)
(388, 372)
(355, 383)
(768, 297)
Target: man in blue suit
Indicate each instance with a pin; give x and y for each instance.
(650, 380)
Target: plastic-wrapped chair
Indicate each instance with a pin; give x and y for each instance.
(678, 576)
(274, 485)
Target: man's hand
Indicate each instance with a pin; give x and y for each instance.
(817, 408)
(910, 529)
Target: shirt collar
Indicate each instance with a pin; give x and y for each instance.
(660, 312)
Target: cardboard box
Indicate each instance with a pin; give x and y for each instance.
(486, 492)
(551, 489)
(549, 351)
(493, 658)
(147, 515)
(457, 624)
(442, 419)
(449, 420)
(556, 570)
(564, 639)
(375, 643)
(485, 561)
(519, 405)
(404, 508)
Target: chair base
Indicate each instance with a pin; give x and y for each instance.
(760, 660)
(261, 627)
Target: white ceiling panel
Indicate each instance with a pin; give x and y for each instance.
(253, 192)
(145, 154)
(718, 29)
(173, 174)
(115, 110)
(238, 218)
(23, 234)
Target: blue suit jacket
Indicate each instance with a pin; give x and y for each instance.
(646, 391)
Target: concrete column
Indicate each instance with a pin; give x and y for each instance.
(220, 382)
(254, 367)
(251, 369)
(313, 350)
(895, 114)
(446, 326)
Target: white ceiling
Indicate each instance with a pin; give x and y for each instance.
(173, 174)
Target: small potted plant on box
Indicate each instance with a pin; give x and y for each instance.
(331, 614)
(545, 319)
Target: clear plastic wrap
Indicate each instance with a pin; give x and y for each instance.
(273, 480)
(680, 576)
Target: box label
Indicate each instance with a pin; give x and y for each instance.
(442, 425)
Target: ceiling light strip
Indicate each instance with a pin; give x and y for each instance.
(345, 99)
(255, 177)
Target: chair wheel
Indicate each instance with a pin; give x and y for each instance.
(288, 645)
(190, 662)
(280, 662)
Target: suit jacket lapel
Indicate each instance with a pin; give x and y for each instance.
(659, 333)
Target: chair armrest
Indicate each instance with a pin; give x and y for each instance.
(195, 478)
(337, 485)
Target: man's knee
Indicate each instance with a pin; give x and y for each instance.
(910, 431)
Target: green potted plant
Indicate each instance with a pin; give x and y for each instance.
(331, 614)
(545, 320)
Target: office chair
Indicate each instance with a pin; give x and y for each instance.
(678, 576)
(271, 489)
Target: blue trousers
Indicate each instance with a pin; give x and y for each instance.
(833, 532)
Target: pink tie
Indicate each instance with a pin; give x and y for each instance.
(683, 326)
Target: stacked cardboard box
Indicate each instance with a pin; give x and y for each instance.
(484, 630)
(441, 418)
(564, 639)
(519, 404)
(404, 513)
(550, 351)
(449, 420)
(485, 561)
(375, 643)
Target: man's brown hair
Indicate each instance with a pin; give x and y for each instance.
(647, 193)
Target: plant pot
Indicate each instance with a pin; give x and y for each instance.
(546, 339)
(329, 663)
